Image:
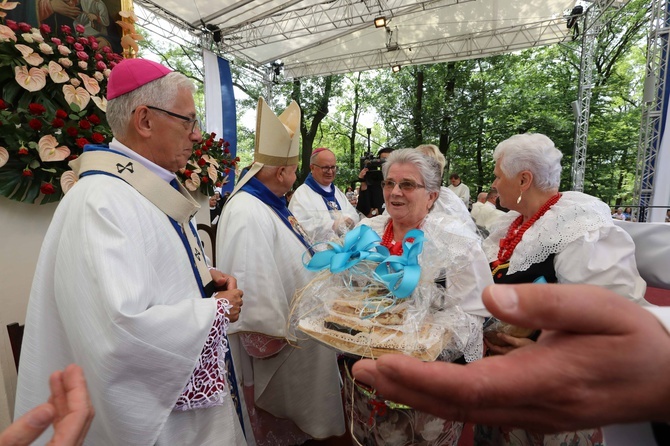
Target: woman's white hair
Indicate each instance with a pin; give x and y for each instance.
(160, 93)
(534, 152)
(429, 169)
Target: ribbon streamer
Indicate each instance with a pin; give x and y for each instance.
(401, 273)
(361, 243)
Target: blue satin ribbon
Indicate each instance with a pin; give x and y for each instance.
(401, 273)
(361, 243)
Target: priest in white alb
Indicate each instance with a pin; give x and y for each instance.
(322, 209)
(122, 287)
(291, 384)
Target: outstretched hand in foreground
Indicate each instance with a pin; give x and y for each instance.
(601, 359)
(69, 410)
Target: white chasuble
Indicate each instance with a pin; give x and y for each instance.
(301, 382)
(114, 292)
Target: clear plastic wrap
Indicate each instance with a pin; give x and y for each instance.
(353, 311)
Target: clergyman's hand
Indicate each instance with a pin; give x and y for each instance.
(234, 298)
(223, 281)
(577, 375)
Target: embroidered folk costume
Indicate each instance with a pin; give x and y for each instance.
(571, 239)
(292, 384)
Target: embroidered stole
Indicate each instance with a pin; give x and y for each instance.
(328, 197)
(278, 205)
(176, 202)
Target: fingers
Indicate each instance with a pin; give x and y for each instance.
(574, 308)
(74, 410)
(28, 428)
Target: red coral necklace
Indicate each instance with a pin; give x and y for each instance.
(516, 231)
(394, 248)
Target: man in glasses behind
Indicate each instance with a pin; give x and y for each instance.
(321, 208)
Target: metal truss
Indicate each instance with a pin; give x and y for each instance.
(332, 19)
(594, 19)
(471, 46)
(654, 106)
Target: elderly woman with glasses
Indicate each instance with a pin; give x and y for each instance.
(454, 270)
(549, 237)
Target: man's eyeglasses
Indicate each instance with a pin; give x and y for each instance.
(404, 185)
(195, 122)
(325, 169)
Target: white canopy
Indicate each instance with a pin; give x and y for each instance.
(320, 37)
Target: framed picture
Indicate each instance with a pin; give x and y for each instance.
(98, 17)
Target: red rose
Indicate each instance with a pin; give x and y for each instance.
(226, 150)
(226, 170)
(197, 153)
(11, 24)
(72, 131)
(46, 29)
(81, 55)
(47, 189)
(94, 119)
(188, 173)
(35, 124)
(57, 123)
(237, 159)
(226, 144)
(27, 173)
(80, 28)
(3, 105)
(204, 179)
(209, 143)
(72, 157)
(201, 162)
(83, 41)
(84, 124)
(98, 56)
(78, 47)
(81, 142)
(65, 29)
(97, 138)
(112, 64)
(100, 65)
(69, 39)
(24, 27)
(94, 45)
(218, 184)
(106, 49)
(60, 113)
(36, 109)
(56, 41)
(23, 150)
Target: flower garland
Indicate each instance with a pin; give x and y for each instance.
(209, 166)
(52, 103)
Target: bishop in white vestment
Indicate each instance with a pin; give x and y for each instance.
(120, 282)
(262, 244)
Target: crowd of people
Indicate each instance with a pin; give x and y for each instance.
(537, 289)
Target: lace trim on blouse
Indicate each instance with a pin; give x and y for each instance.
(207, 385)
(573, 216)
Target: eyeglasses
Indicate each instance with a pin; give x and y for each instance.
(404, 185)
(195, 127)
(325, 169)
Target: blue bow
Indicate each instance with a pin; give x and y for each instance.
(401, 273)
(361, 243)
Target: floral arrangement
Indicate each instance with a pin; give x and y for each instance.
(52, 103)
(209, 166)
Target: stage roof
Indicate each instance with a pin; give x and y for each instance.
(316, 38)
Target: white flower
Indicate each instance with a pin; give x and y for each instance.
(57, 73)
(64, 50)
(192, 183)
(4, 156)
(83, 65)
(64, 61)
(98, 76)
(46, 49)
(67, 180)
(432, 429)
